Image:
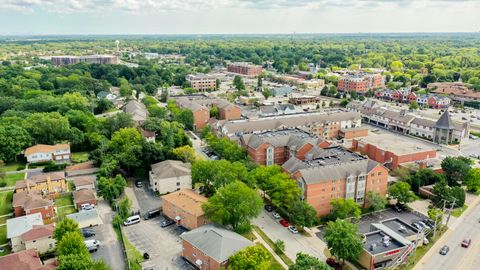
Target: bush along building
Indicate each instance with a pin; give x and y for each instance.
(442, 131)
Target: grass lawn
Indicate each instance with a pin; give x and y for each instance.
(269, 241)
(6, 202)
(79, 157)
(12, 166)
(3, 235)
(6, 250)
(135, 258)
(249, 236)
(11, 179)
(458, 212)
(64, 206)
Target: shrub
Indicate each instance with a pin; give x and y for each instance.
(3, 183)
(54, 167)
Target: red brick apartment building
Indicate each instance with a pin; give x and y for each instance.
(276, 147)
(361, 83)
(246, 69)
(201, 114)
(393, 150)
(185, 207)
(28, 203)
(336, 172)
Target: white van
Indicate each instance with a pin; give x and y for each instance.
(132, 220)
(92, 245)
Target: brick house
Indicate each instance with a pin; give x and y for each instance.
(84, 196)
(336, 173)
(228, 111)
(185, 207)
(24, 260)
(43, 152)
(201, 114)
(46, 183)
(209, 247)
(276, 147)
(25, 203)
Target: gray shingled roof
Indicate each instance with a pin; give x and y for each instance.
(216, 242)
(445, 122)
(171, 168)
(423, 122)
(291, 138)
(137, 110)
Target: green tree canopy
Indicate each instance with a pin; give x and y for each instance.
(473, 180)
(343, 239)
(72, 243)
(401, 191)
(456, 169)
(63, 227)
(375, 201)
(251, 258)
(307, 262)
(342, 208)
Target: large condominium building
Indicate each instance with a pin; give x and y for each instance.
(361, 83)
(323, 125)
(91, 59)
(276, 147)
(335, 172)
(243, 68)
(443, 131)
(202, 82)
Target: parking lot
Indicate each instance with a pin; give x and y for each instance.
(110, 248)
(147, 199)
(162, 244)
(365, 221)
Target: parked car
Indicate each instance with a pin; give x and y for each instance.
(139, 184)
(444, 250)
(151, 214)
(292, 229)
(284, 223)
(132, 220)
(88, 232)
(416, 225)
(429, 222)
(87, 206)
(423, 225)
(276, 215)
(92, 245)
(425, 241)
(167, 222)
(269, 207)
(466, 243)
(334, 264)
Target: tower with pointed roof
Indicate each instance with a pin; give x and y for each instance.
(444, 129)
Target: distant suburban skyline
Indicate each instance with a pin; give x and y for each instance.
(26, 17)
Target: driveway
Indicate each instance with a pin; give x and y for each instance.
(294, 243)
(110, 248)
(162, 244)
(146, 198)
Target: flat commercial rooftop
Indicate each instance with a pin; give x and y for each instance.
(397, 144)
(333, 155)
(375, 243)
(399, 226)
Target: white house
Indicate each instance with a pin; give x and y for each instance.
(43, 152)
(170, 175)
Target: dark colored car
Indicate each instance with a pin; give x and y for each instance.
(166, 223)
(466, 243)
(152, 214)
(88, 232)
(269, 207)
(334, 264)
(444, 250)
(284, 223)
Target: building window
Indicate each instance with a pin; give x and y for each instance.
(333, 188)
(178, 184)
(379, 173)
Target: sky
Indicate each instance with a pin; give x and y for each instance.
(84, 17)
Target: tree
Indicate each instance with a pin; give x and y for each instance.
(302, 214)
(282, 190)
(251, 258)
(214, 112)
(124, 208)
(279, 246)
(424, 177)
(63, 227)
(456, 169)
(342, 208)
(238, 83)
(185, 153)
(217, 84)
(267, 92)
(414, 105)
(307, 262)
(396, 66)
(234, 205)
(72, 243)
(436, 214)
(401, 191)
(375, 201)
(9, 147)
(80, 262)
(214, 174)
(111, 188)
(473, 180)
(260, 82)
(344, 240)
(454, 196)
(47, 128)
(125, 89)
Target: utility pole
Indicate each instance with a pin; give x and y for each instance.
(436, 219)
(416, 244)
(450, 212)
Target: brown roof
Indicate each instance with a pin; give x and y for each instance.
(38, 231)
(23, 260)
(147, 133)
(80, 166)
(83, 195)
(29, 201)
(83, 180)
(40, 178)
(42, 148)
(188, 200)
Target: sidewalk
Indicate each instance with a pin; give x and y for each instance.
(260, 240)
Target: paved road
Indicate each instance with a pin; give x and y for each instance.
(294, 243)
(458, 258)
